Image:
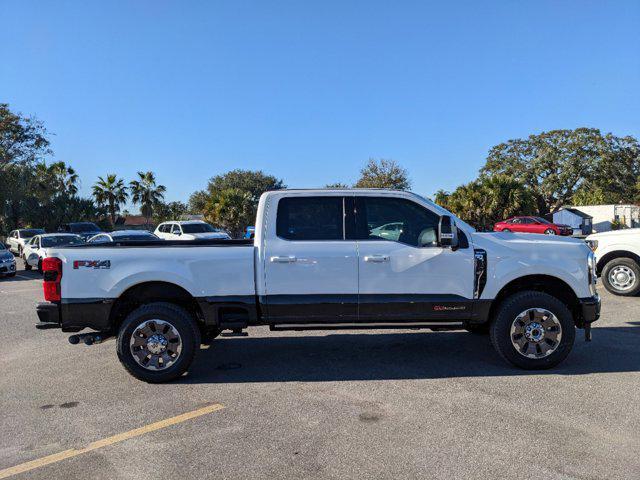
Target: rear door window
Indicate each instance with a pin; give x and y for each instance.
(310, 218)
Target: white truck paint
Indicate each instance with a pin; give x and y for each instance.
(618, 259)
(319, 260)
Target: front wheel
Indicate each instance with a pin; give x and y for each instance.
(27, 267)
(621, 276)
(533, 330)
(549, 231)
(157, 342)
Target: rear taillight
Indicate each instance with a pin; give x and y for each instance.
(52, 272)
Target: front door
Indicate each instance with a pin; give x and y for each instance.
(403, 273)
(310, 268)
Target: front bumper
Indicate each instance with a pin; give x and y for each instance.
(590, 309)
(7, 267)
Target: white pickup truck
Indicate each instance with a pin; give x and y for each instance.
(618, 260)
(326, 259)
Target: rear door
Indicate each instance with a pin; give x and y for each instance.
(310, 268)
(407, 275)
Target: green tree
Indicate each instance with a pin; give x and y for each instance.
(231, 199)
(169, 211)
(556, 164)
(255, 183)
(198, 202)
(232, 209)
(617, 172)
(22, 139)
(383, 173)
(146, 193)
(337, 185)
(587, 194)
(487, 200)
(110, 192)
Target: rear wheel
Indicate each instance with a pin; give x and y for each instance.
(533, 330)
(506, 230)
(157, 342)
(621, 276)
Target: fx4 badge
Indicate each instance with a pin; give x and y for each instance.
(95, 264)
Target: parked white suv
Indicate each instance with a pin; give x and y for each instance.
(618, 260)
(34, 250)
(18, 238)
(189, 230)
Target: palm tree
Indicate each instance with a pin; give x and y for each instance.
(110, 192)
(145, 192)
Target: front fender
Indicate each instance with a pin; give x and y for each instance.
(573, 272)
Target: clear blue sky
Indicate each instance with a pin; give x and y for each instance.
(308, 91)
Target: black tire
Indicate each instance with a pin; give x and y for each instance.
(40, 266)
(19, 251)
(624, 263)
(506, 230)
(179, 319)
(549, 231)
(510, 309)
(27, 267)
(12, 274)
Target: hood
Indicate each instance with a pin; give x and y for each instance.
(5, 255)
(529, 243)
(626, 232)
(206, 235)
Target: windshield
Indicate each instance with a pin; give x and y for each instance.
(32, 232)
(2, 247)
(542, 220)
(197, 228)
(60, 240)
(84, 227)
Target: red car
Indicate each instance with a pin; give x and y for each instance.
(532, 225)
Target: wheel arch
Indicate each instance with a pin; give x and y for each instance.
(548, 284)
(606, 258)
(150, 292)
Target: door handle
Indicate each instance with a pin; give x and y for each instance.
(289, 259)
(376, 258)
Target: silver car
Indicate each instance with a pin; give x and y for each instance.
(7, 262)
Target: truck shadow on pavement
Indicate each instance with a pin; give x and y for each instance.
(22, 276)
(386, 356)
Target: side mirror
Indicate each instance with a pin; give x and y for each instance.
(447, 233)
(178, 233)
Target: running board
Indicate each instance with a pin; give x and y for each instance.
(366, 326)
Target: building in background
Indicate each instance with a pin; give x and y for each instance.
(603, 217)
(580, 221)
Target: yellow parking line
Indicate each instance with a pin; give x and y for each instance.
(105, 442)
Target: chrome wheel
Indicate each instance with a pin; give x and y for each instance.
(155, 344)
(549, 231)
(622, 277)
(536, 333)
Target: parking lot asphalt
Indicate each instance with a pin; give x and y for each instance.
(357, 404)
